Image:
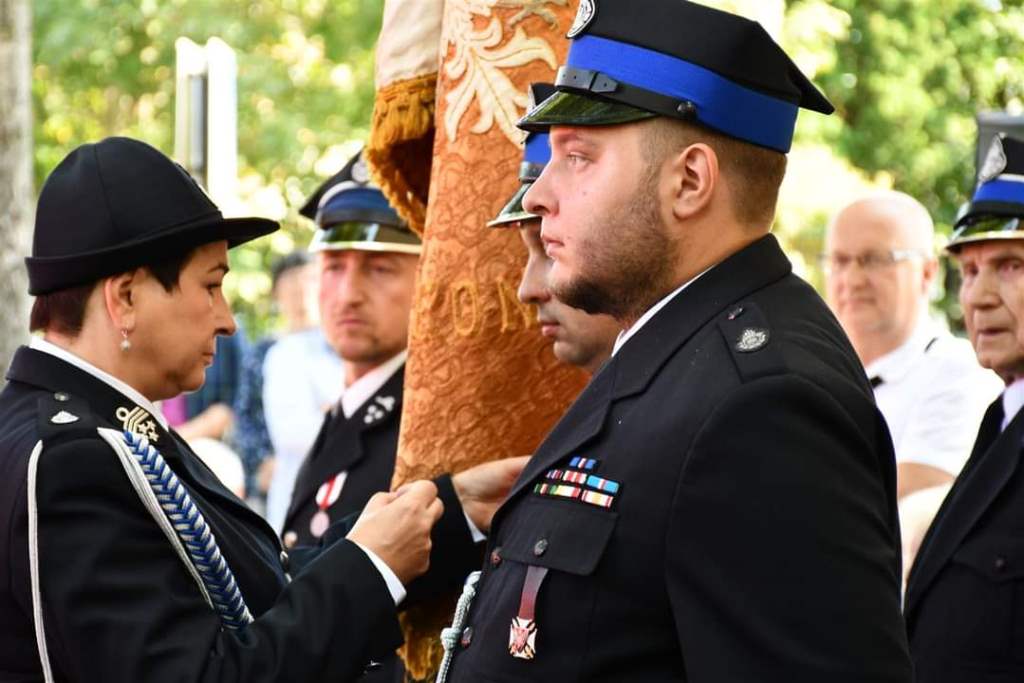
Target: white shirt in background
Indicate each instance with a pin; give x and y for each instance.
(1013, 401)
(933, 395)
(302, 379)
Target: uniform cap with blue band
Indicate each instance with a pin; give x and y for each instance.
(536, 155)
(353, 214)
(631, 60)
(996, 211)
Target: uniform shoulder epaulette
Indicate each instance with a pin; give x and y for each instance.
(62, 416)
(749, 337)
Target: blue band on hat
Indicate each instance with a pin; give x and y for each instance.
(537, 151)
(1001, 191)
(358, 198)
(721, 104)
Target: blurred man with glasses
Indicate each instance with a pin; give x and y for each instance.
(879, 266)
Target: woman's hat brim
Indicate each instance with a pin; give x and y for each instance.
(52, 274)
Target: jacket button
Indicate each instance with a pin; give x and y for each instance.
(1000, 564)
(290, 538)
(496, 557)
(284, 561)
(61, 396)
(467, 636)
(540, 547)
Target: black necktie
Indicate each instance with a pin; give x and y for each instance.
(876, 382)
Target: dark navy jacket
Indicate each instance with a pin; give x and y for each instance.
(752, 534)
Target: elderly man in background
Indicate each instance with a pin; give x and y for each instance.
(965, 617)
(880, 266)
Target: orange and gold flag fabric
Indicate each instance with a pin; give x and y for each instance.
(481, 383)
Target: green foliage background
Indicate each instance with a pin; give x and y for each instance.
(305, 96)
(907, 77)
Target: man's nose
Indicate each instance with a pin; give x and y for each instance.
(533, 288)
(538, 199)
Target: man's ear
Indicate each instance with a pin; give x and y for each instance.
(119, 294)
(694, 174)
(930, 272)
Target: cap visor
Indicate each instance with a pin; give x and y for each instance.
(571, 109)
(513, 211)
(986, 229)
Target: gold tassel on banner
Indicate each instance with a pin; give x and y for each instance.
(402, 143)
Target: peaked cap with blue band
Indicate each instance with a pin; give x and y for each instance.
(631, 60)
(536, 155)
(353, 214)
(996, 211)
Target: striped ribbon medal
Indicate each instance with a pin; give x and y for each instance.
(326, 496)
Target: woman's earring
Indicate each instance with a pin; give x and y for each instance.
(125, 344)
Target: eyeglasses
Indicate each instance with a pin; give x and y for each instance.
(869, 261)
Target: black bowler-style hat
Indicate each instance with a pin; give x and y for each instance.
(353, 214)
(996, 211)
(631, 60)
(119, 204)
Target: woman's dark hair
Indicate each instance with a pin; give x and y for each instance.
(63, 311)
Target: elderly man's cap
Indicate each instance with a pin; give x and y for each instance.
(119, 204)
(536, 155)
(631, 60)
(996, 211)
(353, 214)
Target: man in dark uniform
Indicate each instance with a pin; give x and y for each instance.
(367, 258)
(578, 338)
(964, 608)
(719, 503)
(124, 559)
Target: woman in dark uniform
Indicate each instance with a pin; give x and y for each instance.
(124, 559)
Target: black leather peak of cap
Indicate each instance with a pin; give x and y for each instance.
(119, 204)
(732, 46)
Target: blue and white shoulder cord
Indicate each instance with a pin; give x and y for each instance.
(193, 531)
(172, 508)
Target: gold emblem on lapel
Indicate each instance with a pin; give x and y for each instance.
(138, 422)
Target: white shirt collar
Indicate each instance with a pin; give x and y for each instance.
(625, 335)
(899, 361)
(1013, 401)
(40, 344)
(366, 386)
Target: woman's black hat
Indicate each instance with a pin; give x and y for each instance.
(118, 204)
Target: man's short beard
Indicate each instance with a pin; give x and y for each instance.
(626, 261)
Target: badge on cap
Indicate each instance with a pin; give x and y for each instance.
(995, 162)
(360, 172)
(584, 15)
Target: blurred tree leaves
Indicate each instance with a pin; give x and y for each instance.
(305, 96)
(907, 78)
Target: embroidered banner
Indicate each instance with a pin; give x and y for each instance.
(481, 382)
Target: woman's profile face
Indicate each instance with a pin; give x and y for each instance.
(176, 332)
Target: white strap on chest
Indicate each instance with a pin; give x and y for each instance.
(148, 498)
